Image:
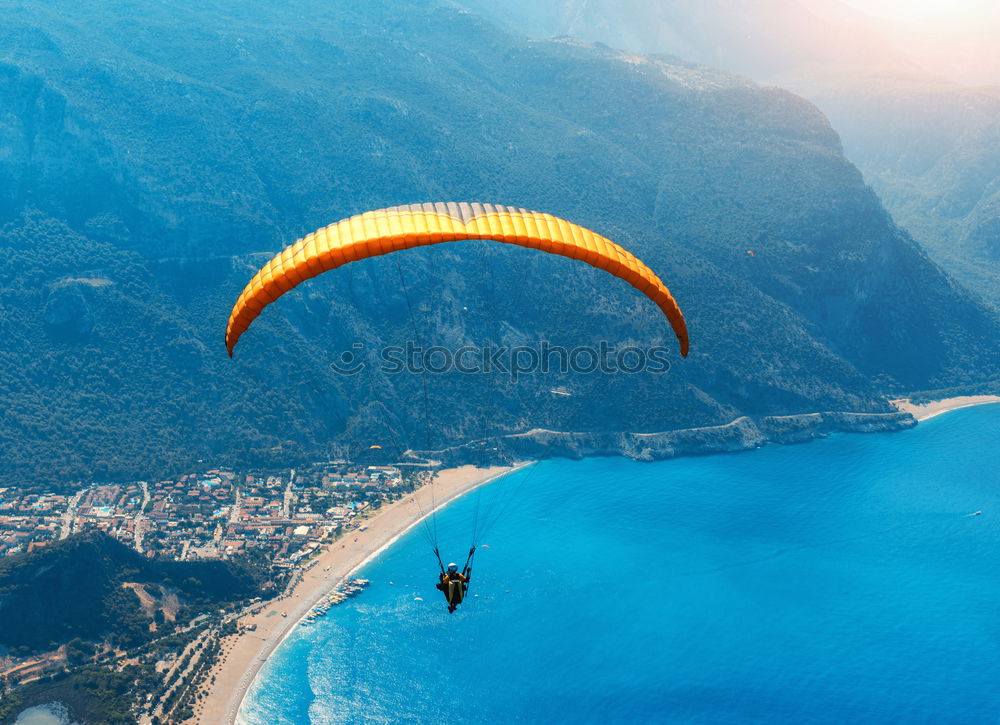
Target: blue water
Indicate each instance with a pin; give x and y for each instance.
(835, 582)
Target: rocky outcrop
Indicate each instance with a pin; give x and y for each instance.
(742, 434)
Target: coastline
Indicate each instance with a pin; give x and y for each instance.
(740, 434)
(926, 411)
(916, 490)
(245, 654)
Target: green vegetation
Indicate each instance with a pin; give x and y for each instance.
(78, 594)
(929, 146)
(931, 149)
(94, 696)
(72, 591)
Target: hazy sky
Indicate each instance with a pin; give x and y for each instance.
(918, 9)
(954, 39)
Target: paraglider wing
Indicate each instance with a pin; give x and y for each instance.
(402, 227)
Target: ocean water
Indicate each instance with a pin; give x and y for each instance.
(841, 581)
(54, 713)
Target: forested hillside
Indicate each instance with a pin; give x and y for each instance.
(926, 143)
(931, 150)
(155, 160)
(84, 588)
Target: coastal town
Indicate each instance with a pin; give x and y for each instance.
(208, 514)
(283, 518)
(305, 530)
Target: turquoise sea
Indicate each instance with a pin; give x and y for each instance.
(840, 581)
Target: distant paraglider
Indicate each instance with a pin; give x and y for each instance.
(415, 225)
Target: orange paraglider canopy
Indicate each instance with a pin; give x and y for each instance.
(403, 227)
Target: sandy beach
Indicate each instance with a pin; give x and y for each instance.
(937, 407)
(246, 653)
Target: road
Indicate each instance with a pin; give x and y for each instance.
(67, 518)
(140, 519)
(234, 515)
(192, 649)
(289, 497)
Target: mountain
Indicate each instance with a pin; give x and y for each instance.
(931, 149)
(766, 39)
(762, 39)
(156, 158)
(93, 588)
(83, 601)
(916, 103)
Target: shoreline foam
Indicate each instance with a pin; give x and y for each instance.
(226, 697)
(245, 655)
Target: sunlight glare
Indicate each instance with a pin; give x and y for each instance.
(909, 10)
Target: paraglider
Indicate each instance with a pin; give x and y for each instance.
(374, 448)
(389, 230)
(454, 584)
(414, 225)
